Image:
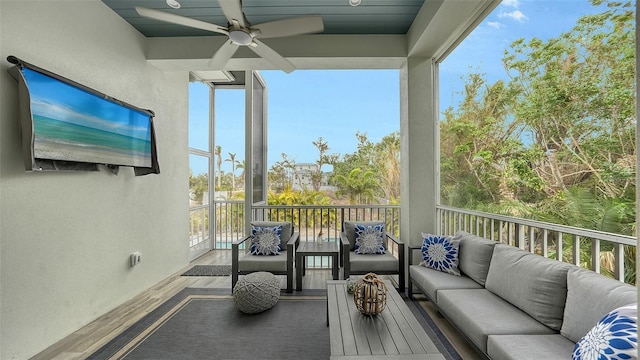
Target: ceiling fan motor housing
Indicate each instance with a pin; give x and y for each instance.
(240, 37)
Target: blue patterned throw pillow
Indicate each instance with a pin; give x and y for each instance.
(615, 336)
(369, 239)
(440, 253)
(266, 240)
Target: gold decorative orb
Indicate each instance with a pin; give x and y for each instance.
(370, 294)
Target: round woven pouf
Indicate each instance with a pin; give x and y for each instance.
(256, 292)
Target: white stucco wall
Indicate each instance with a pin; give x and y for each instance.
(65, 238)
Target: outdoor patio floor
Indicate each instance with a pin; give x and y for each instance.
(91, 337)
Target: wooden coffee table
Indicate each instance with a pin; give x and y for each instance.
(393, 334)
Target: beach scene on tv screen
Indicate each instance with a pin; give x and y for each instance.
(72, 124)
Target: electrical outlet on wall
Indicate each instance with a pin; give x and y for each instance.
(135, 258)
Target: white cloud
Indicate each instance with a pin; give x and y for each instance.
(495, 24)
(511, 3)
(516, 15)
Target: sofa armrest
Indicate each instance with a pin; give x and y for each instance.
(411, 250)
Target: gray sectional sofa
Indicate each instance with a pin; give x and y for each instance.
(512, 304)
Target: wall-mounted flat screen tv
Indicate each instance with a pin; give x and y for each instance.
(66, 125)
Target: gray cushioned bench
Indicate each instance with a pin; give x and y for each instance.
(511, 304)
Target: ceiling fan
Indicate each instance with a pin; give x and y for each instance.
(242, 33)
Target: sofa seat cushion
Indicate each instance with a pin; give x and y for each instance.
(273, 263)
(480, 313)
(430, 281)
(535, 284)
(380, 263)
(587, 289)
(529, 347)
(475, 256)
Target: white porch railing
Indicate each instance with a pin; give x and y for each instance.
(314, 222)
(596, 250)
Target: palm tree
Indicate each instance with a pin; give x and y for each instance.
(240, 166)
(218, 152)
(232, 159)
(359, 186)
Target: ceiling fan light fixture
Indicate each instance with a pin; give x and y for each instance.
(355, 2)
(173, 4)
(240, 37)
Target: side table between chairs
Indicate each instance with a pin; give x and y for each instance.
(310, 248)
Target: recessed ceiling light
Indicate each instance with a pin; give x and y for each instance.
(355, 2)
(174, 4)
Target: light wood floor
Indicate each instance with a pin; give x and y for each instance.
(92, 337)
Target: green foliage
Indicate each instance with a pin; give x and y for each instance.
(198, 185)
(377, 170)
(557, 141)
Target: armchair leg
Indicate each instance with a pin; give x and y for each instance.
(234, 280)
(401, 282)
(289, 280)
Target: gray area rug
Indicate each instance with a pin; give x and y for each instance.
(209, 270)
(204, 324)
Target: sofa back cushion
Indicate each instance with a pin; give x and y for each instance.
(287, 230)
(589, 297)
(349, 228)
(475, 256)
(534, 284)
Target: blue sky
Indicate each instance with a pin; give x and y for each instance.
(335, 104)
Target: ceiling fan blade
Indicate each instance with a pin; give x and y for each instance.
(288, 27)
(223, 54)
(272, 56)
(180, 20)
(232, 9)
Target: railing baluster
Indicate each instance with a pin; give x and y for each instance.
(559, 245)
(595, 255)
(519, 230)
(618, 253)
(575, 249)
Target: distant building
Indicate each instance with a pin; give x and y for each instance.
(302, 177)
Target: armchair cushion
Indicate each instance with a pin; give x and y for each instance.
(441, 253)
(377, 263)
(349, 228)
(369, 239)
(266, 240)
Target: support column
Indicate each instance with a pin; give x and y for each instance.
(419, 149)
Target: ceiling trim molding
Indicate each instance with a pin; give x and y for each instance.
(445, 25)
(306, 52)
